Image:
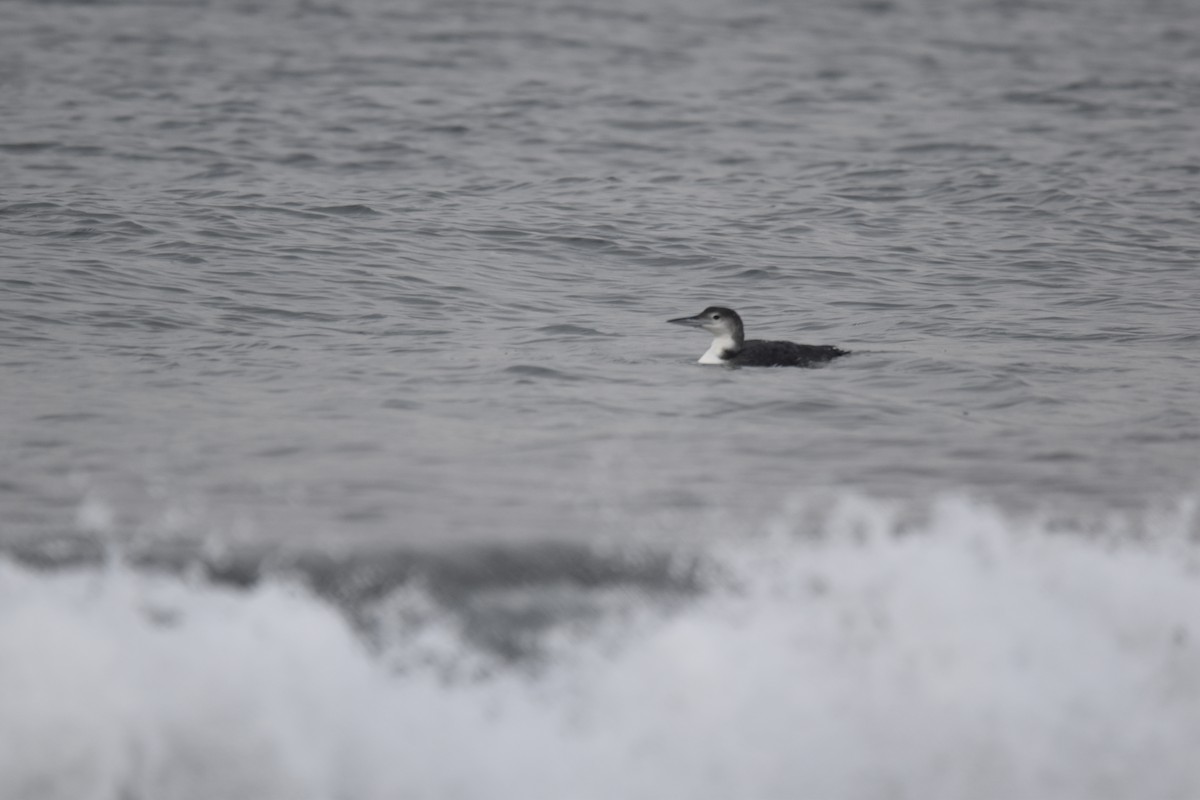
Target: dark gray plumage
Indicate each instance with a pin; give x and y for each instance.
(730, 346)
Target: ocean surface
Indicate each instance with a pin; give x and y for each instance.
(346, 454)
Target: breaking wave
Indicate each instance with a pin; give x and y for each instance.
(855, 649)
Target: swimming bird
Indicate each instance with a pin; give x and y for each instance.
(729, 345)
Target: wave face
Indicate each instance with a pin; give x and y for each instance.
(847, 649)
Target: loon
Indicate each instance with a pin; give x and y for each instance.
(729, 345)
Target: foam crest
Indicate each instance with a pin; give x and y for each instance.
(972, 656)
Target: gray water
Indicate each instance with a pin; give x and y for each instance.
(378, 290)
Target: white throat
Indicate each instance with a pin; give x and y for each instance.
(719, 345)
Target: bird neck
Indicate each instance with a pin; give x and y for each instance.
(738, 334)
(722, 348)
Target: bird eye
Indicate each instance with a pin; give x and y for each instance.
(716, 316)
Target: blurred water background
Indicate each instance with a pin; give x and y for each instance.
(344, 451)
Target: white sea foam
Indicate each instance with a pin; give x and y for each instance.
(975, 656)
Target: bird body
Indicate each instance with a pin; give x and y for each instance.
(730, 346)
